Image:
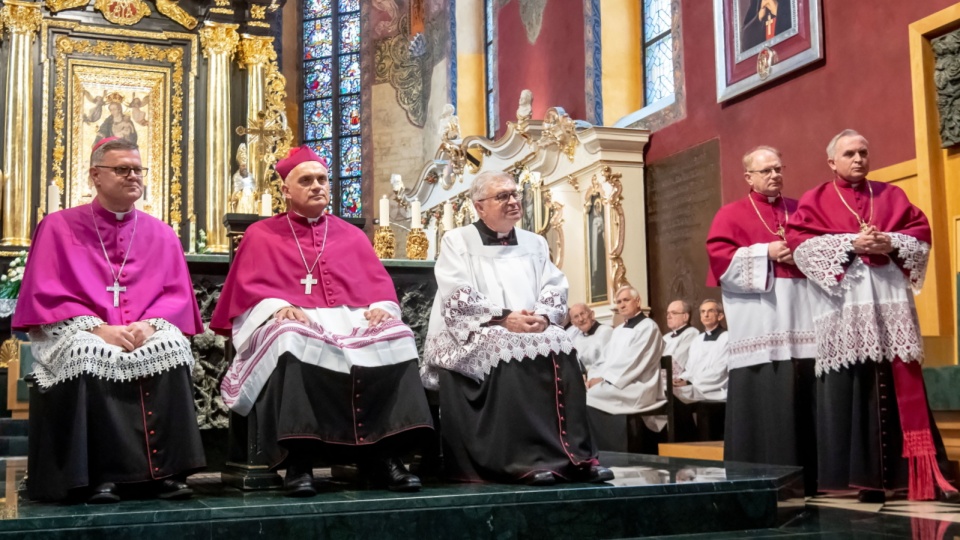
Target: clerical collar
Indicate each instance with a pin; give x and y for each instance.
(108, 214)
(490, 237)
(760, 197)
(635, 320)
(593, 329)
(850, 185)
(679, 331)
(712, 335)
(300, 218)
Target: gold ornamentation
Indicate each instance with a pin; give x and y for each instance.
(275, 94)
(559, 129)
(9, 352)
(123, 12)
(258, 11)
(786, 217)
(384, 243)
(619, 226)
(258, 24)
(60, 5)
(222, 11)
(219, 39)
(173, 11)
(864, 225)
(556, 225)
(221, 3)
(21, 17)
(574, 183)
(123, 51)
(417, 244)
(255, 50)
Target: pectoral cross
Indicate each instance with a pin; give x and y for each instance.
(116, 290)
(308, 283)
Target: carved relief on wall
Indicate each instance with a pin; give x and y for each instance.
(946, 76)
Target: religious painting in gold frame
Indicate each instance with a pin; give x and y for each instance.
(108, 99)
(596, 232)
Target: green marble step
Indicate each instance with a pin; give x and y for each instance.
(645, 499)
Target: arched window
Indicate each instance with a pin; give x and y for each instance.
(657, 51)
(331, 96)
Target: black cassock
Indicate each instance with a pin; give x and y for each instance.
(86, 431)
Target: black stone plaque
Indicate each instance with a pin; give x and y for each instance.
(683, 195)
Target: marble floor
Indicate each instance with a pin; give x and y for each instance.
(689, 491)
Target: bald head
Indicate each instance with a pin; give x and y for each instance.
(582, 317)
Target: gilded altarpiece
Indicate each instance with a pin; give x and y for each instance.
(134, 85)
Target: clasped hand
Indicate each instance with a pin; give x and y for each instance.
(373, 316)
(778, 251)
(126, 337)
(525, 322)
(872, 241)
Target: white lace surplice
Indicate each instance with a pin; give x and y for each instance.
(67, 349)
(475, 283)
(769, 318)
(865, 313)
(589, 348)
(678, 348)
(706, 371)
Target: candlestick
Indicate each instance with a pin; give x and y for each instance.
(448, 216)
(384, 242)
(384, 212)
(415, 222)
(266, 205)
(53, 198)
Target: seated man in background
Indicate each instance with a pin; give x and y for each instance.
(626, 381)
(677, 341)
(589, 337)
(511, 389)
(331, 369)
(704, 378)
(107, 301)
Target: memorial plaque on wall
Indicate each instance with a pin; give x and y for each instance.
(683, 195)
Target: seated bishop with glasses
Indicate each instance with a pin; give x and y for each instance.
(107, 300)
(322, 357)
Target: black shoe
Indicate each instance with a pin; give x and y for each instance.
(397, 478)
(174, 489)
(299, 484)
(872, 496)
(542, 478)
(105, 493)
(949, 497)
(599, 474)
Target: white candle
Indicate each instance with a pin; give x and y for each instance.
(53, 198)
(266, 205)
(415, 222)
(384, 212)
(448, 216)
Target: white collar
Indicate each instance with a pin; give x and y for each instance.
(309, 219)
(121, 215)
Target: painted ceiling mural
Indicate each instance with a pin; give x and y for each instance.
(405, 59)
(531, 14)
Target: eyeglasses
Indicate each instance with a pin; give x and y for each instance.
(504, 196)
(769, 170)
(676, 313)
(122, 171)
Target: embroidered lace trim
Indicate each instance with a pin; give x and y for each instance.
(823, 258)
(913, 256)
(66, 350)
(867, 332)
(466, 310)
(553, 304)
(769, 342)
(743, 267)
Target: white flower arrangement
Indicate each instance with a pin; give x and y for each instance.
(10, 282)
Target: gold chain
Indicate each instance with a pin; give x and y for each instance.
(786, 217)
(864, 225)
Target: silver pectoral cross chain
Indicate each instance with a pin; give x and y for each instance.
(116, 290)
(308, 283)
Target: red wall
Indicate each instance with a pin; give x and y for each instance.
(863, 84)
(553, 67)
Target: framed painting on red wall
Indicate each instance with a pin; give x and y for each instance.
(758, 41)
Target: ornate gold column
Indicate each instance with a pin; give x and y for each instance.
(22, 21)
(255, 53)
(219, 43)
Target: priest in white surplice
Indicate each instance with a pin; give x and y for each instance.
(626, 381)
(589, 336)
(677, 341)
(704, 379)
(323, 361)
(511, 390)
(771, 408)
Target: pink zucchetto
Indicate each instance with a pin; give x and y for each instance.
(102, 142)
(297, 156)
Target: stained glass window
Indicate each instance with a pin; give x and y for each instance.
(658, 68)
(332, 112)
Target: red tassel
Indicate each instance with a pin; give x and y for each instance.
(924, 470)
